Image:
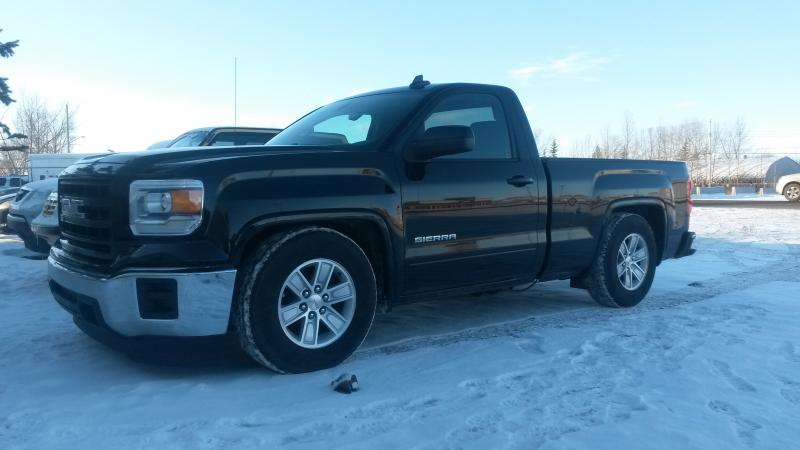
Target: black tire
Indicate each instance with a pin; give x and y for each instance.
(36, 244)
(256, 318)
(605, 285)
(788, 194)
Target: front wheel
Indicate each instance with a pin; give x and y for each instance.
(306, 300)
(36, 244)
(625, 264)
(792, 192)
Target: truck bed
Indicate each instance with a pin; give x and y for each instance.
(581, 190)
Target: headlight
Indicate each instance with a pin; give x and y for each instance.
(165, 207)
(50, 205)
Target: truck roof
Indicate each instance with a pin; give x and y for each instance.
(428, 89)
(234, 128)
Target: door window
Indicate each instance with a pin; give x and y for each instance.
(481, 112)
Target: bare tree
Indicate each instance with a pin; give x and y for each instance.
(47, 130)
(582, 148)
(44, 131)
(539, 138)
(607, 146)
(734, 143)
(628, 146)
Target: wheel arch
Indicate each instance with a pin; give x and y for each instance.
(786, 185)
(653, 211)
(368, 230)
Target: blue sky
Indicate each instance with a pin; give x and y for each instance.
(139, 72)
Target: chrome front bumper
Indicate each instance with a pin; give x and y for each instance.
(203, 300)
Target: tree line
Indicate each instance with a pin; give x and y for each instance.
(713, 151)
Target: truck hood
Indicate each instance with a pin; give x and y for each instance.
(201, 153)
(165, 161)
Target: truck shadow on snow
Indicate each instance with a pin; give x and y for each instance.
(413, 321)
(23, 253)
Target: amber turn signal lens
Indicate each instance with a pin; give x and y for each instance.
(187, 201)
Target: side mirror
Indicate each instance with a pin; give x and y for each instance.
(442, 141)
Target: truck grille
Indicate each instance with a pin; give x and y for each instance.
(85, 220)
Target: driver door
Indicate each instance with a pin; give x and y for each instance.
(466, 223)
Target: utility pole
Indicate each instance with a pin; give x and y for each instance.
(235, 76)
(708, 155)
(68, 150)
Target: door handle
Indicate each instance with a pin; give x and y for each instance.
(520, 180)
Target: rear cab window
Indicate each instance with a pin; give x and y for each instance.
(190, 139)
(236, 138)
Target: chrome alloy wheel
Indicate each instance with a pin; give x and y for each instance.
(316, 303)
(632, 261)
(792, 192)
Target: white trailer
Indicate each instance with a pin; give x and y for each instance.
(51, 164)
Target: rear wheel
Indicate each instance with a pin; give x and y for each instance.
(625, 264)
(792, 192)
(306, 301)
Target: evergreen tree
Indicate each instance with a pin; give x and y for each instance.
(7, 51)
(554, 149)
(685, 151)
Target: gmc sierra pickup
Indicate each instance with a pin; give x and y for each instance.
(378, 199)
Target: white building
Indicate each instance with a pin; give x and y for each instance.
(49, 165)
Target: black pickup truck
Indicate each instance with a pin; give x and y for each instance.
(375, 200)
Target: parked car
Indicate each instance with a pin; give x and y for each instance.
(45, 225)
(13, 181)
(375, 200)
(160, 144)
(9, 190)
(5, 202)
(26, 206)
(789, 186)
(222, 137)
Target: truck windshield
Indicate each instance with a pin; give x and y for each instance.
(353, 121)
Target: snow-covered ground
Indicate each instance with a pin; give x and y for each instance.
(710, 359)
